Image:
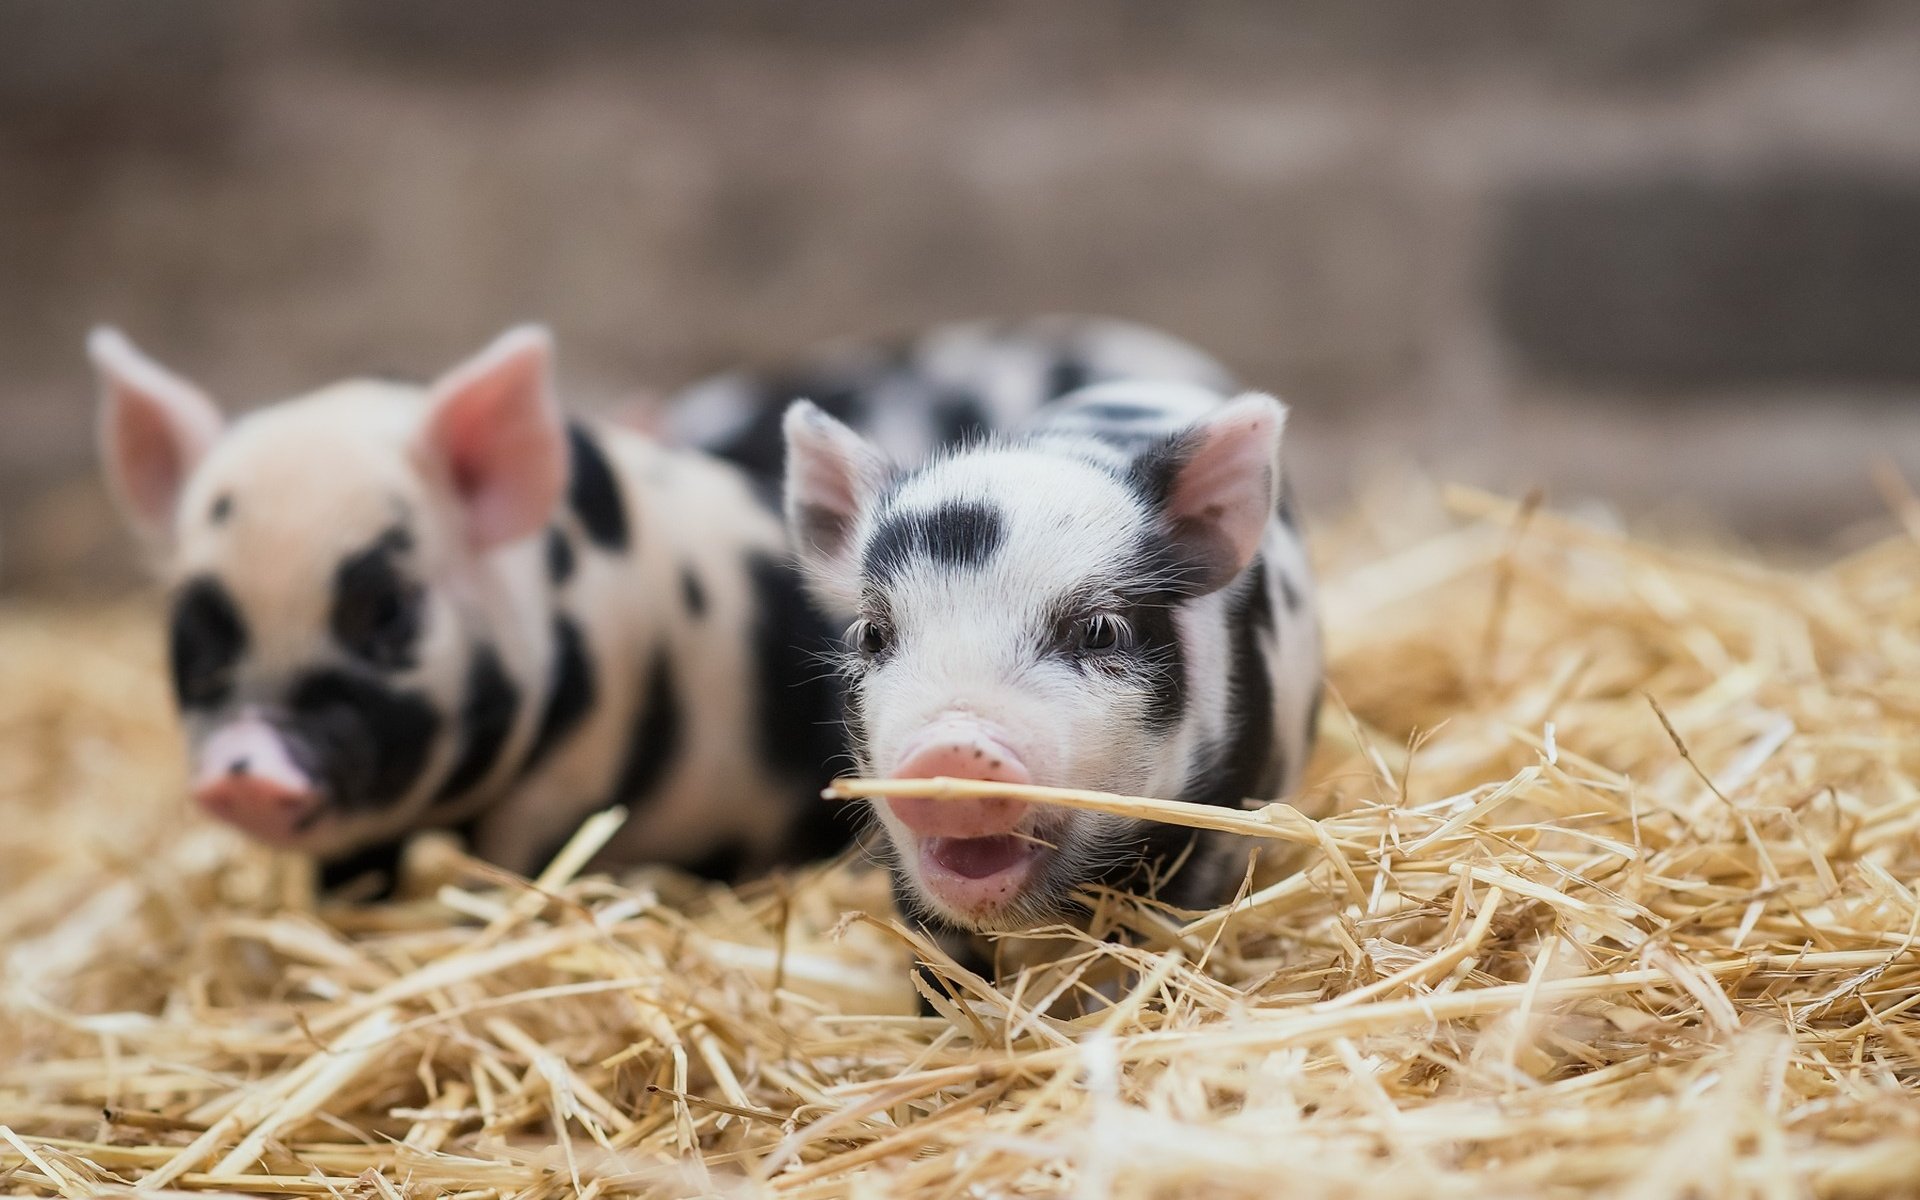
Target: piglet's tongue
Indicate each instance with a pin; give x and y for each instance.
(978, 857)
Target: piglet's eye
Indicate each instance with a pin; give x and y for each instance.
(871, 638)
(1099, 633)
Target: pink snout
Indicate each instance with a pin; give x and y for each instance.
(962, 752)
(247, 777)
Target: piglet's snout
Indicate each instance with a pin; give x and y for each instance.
(960, 751)
(248, 778)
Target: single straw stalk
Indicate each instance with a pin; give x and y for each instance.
(1275, 821)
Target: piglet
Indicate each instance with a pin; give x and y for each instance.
(397, 607)
(1118, 598)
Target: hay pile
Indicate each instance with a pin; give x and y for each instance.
(1617, 897)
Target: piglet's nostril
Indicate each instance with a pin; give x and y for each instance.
(240, 766)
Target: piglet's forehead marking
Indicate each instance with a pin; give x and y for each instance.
(1043, 520)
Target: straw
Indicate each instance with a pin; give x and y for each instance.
(1606, 881)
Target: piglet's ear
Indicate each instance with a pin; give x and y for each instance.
(834, 477)
(495, 433)
(154, 428)
(1218, 481)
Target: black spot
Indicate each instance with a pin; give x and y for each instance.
(958, 533)
(1152, 473)
(377, 611)
(725, 863)
(1284, 507)
(206, 640)
(486, 721)
(1156, 648)
(1128, 441)
(891, 548)
(363, 875)
(1067, 374)
(1259, 602)
(222, 508)
(570, 693)
(760, 445)
(1247, 762)
(963, 534)
(959, 419)
(799, 696)
(1289, 593)
(692, 592)
(594, 492)
(560, 557)
(799, 719)
(366, 741)
(801, 733)
(1118, 411)
(656, 737)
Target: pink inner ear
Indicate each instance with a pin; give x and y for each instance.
(830, 475)
(152, 464)
(155, 428)
(498, 430)
(1225, 491)
(823, 485)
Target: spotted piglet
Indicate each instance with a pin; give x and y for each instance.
(1116, 599)
(940, 388)
(397, 607)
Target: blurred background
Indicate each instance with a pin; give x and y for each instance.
(1662, 252)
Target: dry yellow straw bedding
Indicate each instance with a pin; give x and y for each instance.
(1616, 896)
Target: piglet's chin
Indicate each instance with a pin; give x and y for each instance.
(975, 878)
(248, 778)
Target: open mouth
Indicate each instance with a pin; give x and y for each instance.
(975, 853)
(979, 875)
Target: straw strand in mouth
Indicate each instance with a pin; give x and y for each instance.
(1276, 821)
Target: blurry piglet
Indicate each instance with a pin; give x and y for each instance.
(945, 386)
(1116, 599)
(400, 607)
